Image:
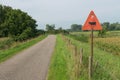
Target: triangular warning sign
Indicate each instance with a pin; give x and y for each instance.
(92, 23)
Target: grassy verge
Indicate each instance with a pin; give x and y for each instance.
(61, 62)
(108, 67)
(5, 54)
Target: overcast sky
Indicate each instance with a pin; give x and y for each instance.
(63, 13)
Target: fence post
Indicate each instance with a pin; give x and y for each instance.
(90, 70)
(81, 55)
(75, 59)
(96, 65)
(75, 51)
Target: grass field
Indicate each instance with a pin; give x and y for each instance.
(108, 33)
(106, 65)
(17, 47)
(113, 34)
(109, 66)
(111, 44)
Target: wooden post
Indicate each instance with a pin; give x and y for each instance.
(76, 51)
(96, 65)
(75, 59)
(90, 72)
(91, 62)
(68, 41)
(81, 55)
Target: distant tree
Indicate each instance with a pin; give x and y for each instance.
(102, 33)
(60, 29)
(106, 25)
(69, 30)
(40, 32)
(65, 32)
(76, 27)
(117, 27)
(112, 26)
(50, 28)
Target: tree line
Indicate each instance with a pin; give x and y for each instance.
(111, 26)
(50, 29)
(20, 26)
(16, 24)
(106, 26)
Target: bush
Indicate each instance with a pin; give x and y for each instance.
(26, 34)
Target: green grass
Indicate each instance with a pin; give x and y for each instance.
(5, 54)
(113, 33)
(61, 62)
(81, 37)
(109, 65)
(86, 33)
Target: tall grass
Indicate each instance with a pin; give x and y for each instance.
(2, 39)
(6, 43)
(79, 37)
(5, 54)
(108, 67)
(111, 45)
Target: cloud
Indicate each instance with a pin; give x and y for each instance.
(66, 12)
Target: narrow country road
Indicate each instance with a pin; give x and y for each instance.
(30, 64)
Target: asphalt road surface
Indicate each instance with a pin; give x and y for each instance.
(30, 64)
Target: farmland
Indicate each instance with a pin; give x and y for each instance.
(47, 40)
(111, 45)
